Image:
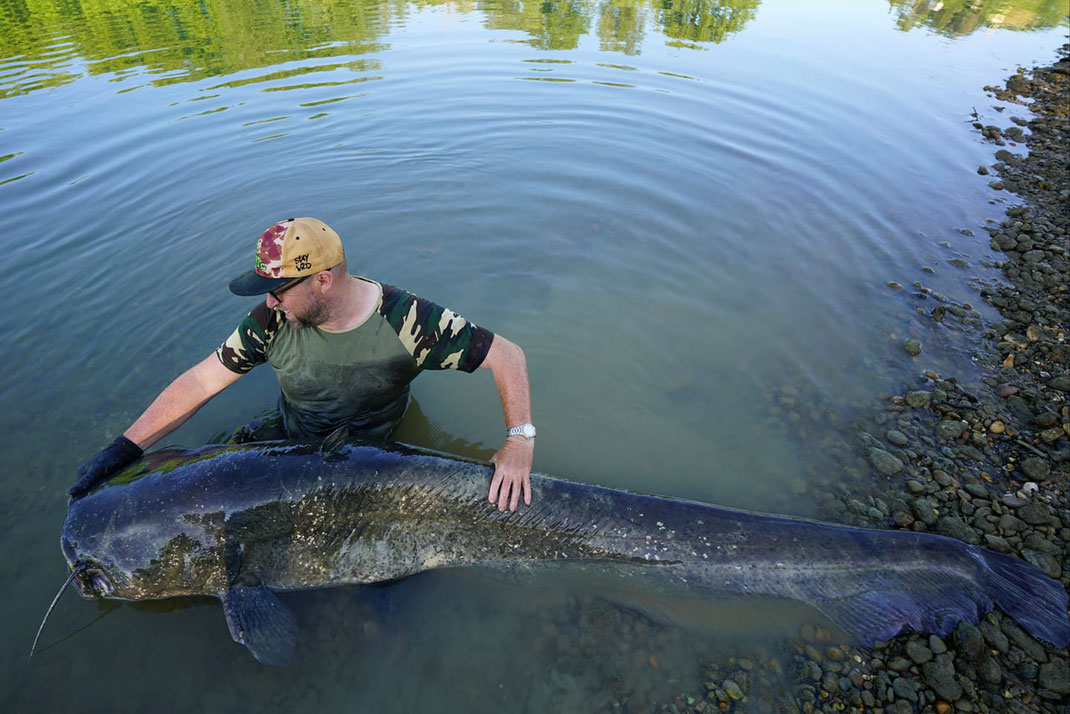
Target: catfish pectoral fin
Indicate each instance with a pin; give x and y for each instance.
(258, 619)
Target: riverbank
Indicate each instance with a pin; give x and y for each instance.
(986, 461)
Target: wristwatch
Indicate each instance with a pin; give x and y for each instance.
(525, 430)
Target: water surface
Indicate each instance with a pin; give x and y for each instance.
(674, 207)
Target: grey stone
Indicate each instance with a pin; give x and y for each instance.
(942, 681)
(1055, 676)
(1043, 561)
(897, 437)
(968, 640)
(884, 462)
(1035, 513)
(1010, 524)
(1035, 468)
(956, 528)
(989, 670)
(733, 690)
(912, 347)
(899, 664)
(995, 637)
(996, 543)
(950, 429)
(905, 688)
(924, 511)
(918, 652)
(1060, 382)
(1050, 436)
(918, 399)
(901, 707)
(937, 645)
(1033, 256)
(1023, 641)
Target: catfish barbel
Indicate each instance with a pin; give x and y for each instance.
(241, 522)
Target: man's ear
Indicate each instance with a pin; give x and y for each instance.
(323, 280)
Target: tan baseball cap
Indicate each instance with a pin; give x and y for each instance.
(294, 248)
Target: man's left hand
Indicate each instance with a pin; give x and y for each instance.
(512, 473)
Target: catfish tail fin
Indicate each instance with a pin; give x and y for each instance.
(1038, 603)
(935, 598)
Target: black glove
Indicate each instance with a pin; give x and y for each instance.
(118, 455)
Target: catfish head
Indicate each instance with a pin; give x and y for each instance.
(128, 548)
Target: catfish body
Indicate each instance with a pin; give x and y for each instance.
(240, 522)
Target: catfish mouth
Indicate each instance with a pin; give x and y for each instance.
(91, 582)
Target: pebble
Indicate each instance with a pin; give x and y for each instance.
(1006, 390)
(905, 688)
(918, 652)
(969, 640)
(950, 429)
(1034, 513)
(1055, 676)
(732, 689)
(1043, 561)
(942, 681)
(924, 511)
(989, 670)
(937, 645)
(897, 438)
(994, 636)
(1013, 501)
(912, 347)
(884, 462)
(899, 664)
(997, 427)
(918, 399)
(1050, 436)
(955, 528)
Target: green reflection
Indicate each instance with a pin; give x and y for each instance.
(961, 17)
(46, 43)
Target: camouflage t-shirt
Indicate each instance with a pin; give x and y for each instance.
(358, 376)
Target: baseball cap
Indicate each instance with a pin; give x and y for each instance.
(294, 248)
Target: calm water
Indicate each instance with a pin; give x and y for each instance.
(675, 207)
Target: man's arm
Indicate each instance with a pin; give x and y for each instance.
(190, 391)
(512, 462)
(177, 403)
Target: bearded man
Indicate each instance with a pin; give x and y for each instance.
(344, 349)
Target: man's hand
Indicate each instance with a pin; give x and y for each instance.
(118, 455)
(512, 473)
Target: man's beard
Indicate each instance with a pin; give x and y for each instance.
(315, 316)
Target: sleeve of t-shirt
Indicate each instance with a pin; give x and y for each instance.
(435, 336)
(247, 346)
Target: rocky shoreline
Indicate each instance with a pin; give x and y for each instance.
(989, 465)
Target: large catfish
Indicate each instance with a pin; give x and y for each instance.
(240, 522)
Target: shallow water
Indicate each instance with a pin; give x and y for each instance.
(675, 208)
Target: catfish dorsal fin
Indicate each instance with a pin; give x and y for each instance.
(334, 443)
(258, 619)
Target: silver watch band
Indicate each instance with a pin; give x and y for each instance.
(525, 430)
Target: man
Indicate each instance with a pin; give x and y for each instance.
(344, 349)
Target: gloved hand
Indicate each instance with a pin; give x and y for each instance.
(118, 455)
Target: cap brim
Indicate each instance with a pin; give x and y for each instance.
(252, 283)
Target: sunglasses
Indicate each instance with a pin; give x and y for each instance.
(277, 294)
